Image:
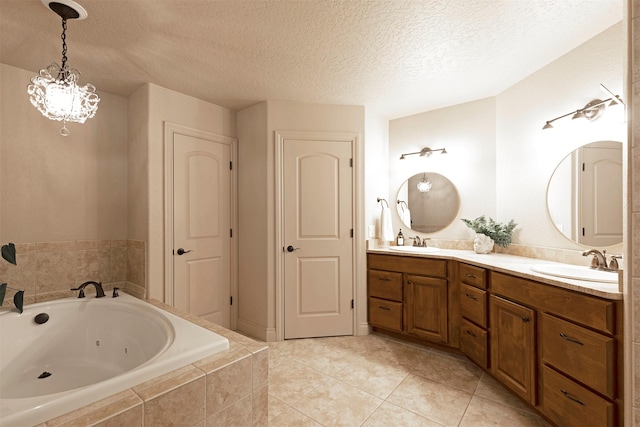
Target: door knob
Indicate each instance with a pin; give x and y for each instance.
(291, 248)
(182, 251)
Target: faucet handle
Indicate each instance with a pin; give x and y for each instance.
(115, 292)
(81, 293)
(613, 264)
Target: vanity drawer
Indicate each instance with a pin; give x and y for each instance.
(569, 404)
(472, 275)
(473, 343)
(473, 304)
(385, 314)
(587, 356)
(385, 284)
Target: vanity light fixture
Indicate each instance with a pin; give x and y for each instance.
(425, 152)
(592, 110)
(55, 91)
(424, 185)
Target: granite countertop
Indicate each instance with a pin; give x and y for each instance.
(516, 266)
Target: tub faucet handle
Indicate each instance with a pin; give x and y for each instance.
(115, 292)
(80, 294)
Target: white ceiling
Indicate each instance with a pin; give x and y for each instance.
(397, 57)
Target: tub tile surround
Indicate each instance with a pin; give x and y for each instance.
(48, 270)
(229, 388)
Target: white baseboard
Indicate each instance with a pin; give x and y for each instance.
(363, 329)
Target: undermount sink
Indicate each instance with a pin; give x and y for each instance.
(576, 272)
(414, 249)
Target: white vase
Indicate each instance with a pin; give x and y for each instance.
(482, 244)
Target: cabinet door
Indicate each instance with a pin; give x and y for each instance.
(513, 346)
(426, 305)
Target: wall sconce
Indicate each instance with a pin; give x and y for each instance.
(591, 111)
(425, 152)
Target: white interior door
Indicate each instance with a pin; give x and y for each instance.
(201, 227)
(317, 234)
(600, 188)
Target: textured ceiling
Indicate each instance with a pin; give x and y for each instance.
(395, 56)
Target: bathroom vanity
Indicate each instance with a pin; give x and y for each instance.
(556, 343)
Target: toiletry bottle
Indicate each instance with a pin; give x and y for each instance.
(400, 238)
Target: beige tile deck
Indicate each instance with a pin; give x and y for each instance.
(377, 381)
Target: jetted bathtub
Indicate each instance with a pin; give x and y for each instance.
(60, 355)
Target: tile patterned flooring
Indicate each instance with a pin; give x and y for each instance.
(374, 380)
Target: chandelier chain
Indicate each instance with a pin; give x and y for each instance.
(64, 43)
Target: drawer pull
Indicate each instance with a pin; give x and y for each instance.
(384, 308)
(573, 340)
(470, 333)
(525, 319)
(471, 296)
(384, 279)
(570, 397)
(471, 276)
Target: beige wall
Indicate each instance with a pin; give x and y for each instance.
(56, 188)
(257, 313)
(499, 158)
(526, 156)
(632, 302)
(162, 105)
(467, 132)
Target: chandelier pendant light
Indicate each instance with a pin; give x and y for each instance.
(55, 91)
(424, 185)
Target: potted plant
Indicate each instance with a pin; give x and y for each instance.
(490, 232)
(9, 254)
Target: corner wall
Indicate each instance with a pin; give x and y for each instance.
(163, 105)
(57, 188)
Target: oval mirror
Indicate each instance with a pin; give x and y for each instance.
(584, 197)
(427, 202)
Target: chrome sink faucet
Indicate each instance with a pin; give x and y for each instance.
(599, 260)
(97, 285)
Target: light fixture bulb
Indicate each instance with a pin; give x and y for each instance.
(424, 185)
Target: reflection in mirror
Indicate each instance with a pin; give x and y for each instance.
(427, 202)
(584, 197)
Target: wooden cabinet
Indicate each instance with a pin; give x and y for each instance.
(474, 337)
(385, 299)
(513, 346)
(426, 306)
(579, 350)
(409, 295)
(558, 349)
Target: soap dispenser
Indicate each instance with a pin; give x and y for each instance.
(400, 238)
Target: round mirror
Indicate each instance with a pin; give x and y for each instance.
(584, 197)
(427, 202)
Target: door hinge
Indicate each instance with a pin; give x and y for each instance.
(351, 163)
(352, 304)
(351, 233)
(230, 165)
(582, 231)
(583, 167)
(231, 232)
(230, 300)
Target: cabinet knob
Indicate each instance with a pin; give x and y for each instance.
(409, 282)
(525, 319)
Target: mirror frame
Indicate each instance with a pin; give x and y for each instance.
(453, 190)
(568, 164)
